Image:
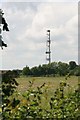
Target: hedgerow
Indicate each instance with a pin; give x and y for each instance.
(60, 105)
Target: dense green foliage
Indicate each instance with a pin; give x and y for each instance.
(9, 85)
(3, 27)
(16, 106)
(53, 69)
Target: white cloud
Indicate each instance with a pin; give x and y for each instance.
(41, 0)
(27, 37)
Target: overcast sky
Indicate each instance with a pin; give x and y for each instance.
(28, 23)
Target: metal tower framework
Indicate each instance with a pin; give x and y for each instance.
(48, 51)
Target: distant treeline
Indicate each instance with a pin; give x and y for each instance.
(53, 69)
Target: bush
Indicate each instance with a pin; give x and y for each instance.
(9, 85)
(30, 105)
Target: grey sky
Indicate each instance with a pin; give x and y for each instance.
(28, 23)
(40, 0)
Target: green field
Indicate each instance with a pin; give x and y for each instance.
(51, 82)
(44, 101)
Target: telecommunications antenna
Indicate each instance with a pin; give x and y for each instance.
(48, 49)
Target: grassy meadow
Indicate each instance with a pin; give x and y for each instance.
(50, 82)
(34, 99)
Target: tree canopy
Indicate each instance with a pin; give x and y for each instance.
(4, 25)
(53, 69)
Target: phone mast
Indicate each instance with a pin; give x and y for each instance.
(48, 51)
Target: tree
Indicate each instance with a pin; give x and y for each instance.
(44, 69)
(34, 71)
(15, 73)
(26, 71)
(5, 27)
(72, 65)
(54, 68)
(63, 68)
(76, 71)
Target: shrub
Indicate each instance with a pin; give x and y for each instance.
(61, 105)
